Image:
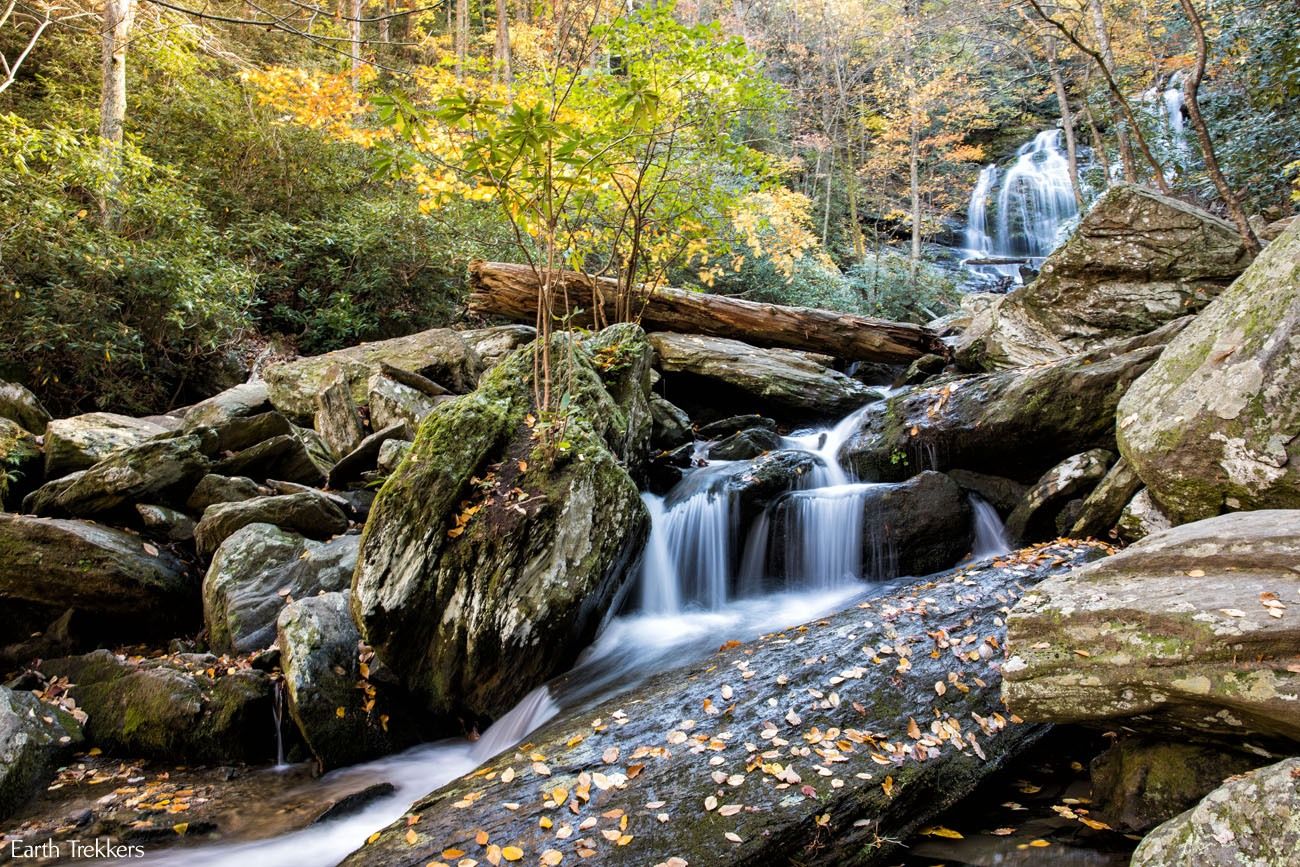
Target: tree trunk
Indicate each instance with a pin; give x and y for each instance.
(1108, 59)
(354, 42)
(119, 15)
(914, 140)
(512, 290)
(385, 30)
(462, 37)
(501, 61)
(1067, 120)
(1192, 91)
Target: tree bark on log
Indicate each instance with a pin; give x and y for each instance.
(825, 744)
(509, 290)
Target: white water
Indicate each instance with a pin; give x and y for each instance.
(1165, 107)
(690, 602)
(990, 534)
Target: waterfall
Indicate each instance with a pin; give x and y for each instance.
(990, 534)
(277, 717)
(1165, 108)
(978, 242)
(823, 528)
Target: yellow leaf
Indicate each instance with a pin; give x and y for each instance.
(1094, 824)
(888, 786)
(372, 838)
(181, 827)
(512, 853)
(1039, 844)
(481, 838)
(941, 831)
(449, 854)
(340, 712)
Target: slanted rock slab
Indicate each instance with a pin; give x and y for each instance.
(80, 442)
(310, 513)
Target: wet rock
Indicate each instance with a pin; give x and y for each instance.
(1251, 820)
(336, 419)
(34, 739)
(309, 513)
(1034, 518)
(354, 802)
(644, 751)
(494, 343)
(321, 651)
(213, 489)
(756, 486)
(439, 354)
(1140, 782)
(128, 588)
(1141, 517)
(725, 427)
(20, 462)
(458, 583)
(159, 470)
(622, 358)
(1002, 494)
(298, 456)
(1137, 261)
(171, 708)
(1214, 425)
(1014, 423)
(1192, 628)
(672, 427)
(257, 571)
(744, 445)
(925, 367)
(365, 456)
(80, 442)
(780, 380)
(392, 402)
(165, 523)
(249, 398)
(22, 408)
(1101, 511)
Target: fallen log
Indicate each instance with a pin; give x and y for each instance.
(503, 289)
(824, 744)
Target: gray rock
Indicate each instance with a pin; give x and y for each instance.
(456, 588)
(22, 408)
(171, 708)
(159, 470)
(1214, 425)
(223, 489)
(1250, 821)
(337, 420)
(169, 524)
(128, 588)
(439, 354)
(1175, 632)
(392, 402)
(391, 454)
(309, 513)
(321, 653)
(256, 571)
(365, 456)
(298, 456)
(1137, 261)
(34, 739)
(622, 358)
(1001, 493)
(1141, 517)
(672, 426)
(496, 342)
(245, 431)
(82, 441)
(249, 398)
(725, 427)
(781, 380)
(1034, 518)
(744, 445)
(1102, 509)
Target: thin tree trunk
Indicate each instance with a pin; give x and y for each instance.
(462, 37)
(501, 61)
(1098, 143)
(826, 214)
(914, 140)
(354, 42)
(1108, 62)
(119, 15)
(1067, 120)
(1192, 91)
(385, 32)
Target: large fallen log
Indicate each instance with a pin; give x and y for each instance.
(824, 744)
(509, 290)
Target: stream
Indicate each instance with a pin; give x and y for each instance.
(704, 578)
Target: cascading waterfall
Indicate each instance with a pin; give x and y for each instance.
(990, 533)
(978, 242)
(1165, 106)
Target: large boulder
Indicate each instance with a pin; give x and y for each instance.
(1034, 517)
(189, 708)
(837, 737)
(491, 555)
(80, 442)
(439, 354)
(310, 513)
(297, 456)
(1137, 261)
(257, 571)
(737, 375)
(249, 398)
(161, 470)
(22, 408)
(1195, 627)
(34, 738)
(323, 661)
(128, 588)
(1013, 423)
(392, 401)
(1250, 821)
(213, 489)
(1215, 424)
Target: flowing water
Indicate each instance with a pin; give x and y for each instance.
(704, 579)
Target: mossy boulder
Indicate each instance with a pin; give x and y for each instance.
(494, 550)
(310, 513)
(34, 738)
(1137, 261)
(440, 354)
(259, 569)
(190, 708)
(124, 587)
(23, 408)
(1195, 628)
(1250, 821)
(322, 656)
(80, 442)
(1215, 424)
(1013, 423)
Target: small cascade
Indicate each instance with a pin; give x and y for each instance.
(1165, 107)
(978, 242)
(990, 533)
(823, 535)
(278, 704)
(533, 709)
